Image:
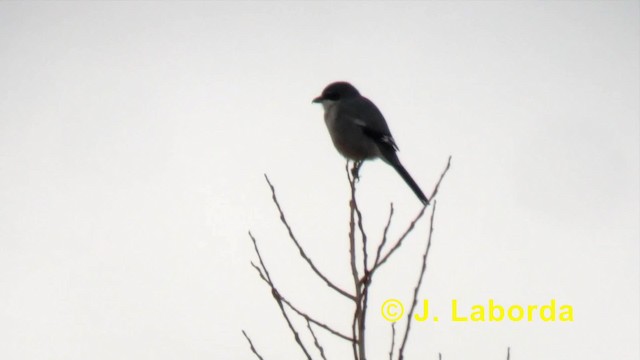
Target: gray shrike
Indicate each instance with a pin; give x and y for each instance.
(358, 129)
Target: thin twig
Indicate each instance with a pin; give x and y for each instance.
(363, 234)
(296, 335)
(352, 180)
(318, 323)
(278, 298)
(322, 325)
(417, 288)
(354, 344)
(260, 273)
(253, 349)
(508, 352)
(364, 238)
(356, 326)
(393, 340)
(303, 314)
(435, 190)
(315, 340)
(302, 252)
(399, 242)
(384, 235)
(363, 316)
(263, 268)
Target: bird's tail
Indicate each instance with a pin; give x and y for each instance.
(409, 180)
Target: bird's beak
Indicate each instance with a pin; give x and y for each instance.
(317, 100)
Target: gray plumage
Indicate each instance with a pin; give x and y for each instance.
(359, 131)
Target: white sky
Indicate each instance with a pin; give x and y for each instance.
(134, 137)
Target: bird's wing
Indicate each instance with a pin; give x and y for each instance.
(366, 115)
(384, 140)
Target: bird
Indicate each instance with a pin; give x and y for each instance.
(359, 131)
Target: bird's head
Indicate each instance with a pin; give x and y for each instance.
(337, 91)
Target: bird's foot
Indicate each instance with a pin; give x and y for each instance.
(355, 170)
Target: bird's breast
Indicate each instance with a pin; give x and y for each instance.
(330, 116)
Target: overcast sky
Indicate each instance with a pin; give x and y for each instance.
(134, 137)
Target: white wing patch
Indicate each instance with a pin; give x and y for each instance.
(389, 140)
(360, 122)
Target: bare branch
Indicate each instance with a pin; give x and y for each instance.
(302, 252)
(360, 226)
(322, 325)
(393, 340)
(260, 272)
(356, 326)
(355, 172)
(364, 238)
(262, 269)
(417, 288)
(296, 336)
(363, 315)
(253, 349)
(398, 243)
(303, 314)
(361, 285)
(315, 340)
(277, 297)
(508, 352)
(384, 235)
(444, 172)
(354, 344)
(353, 208)
(413, 223)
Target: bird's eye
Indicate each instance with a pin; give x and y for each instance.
(332, 96)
